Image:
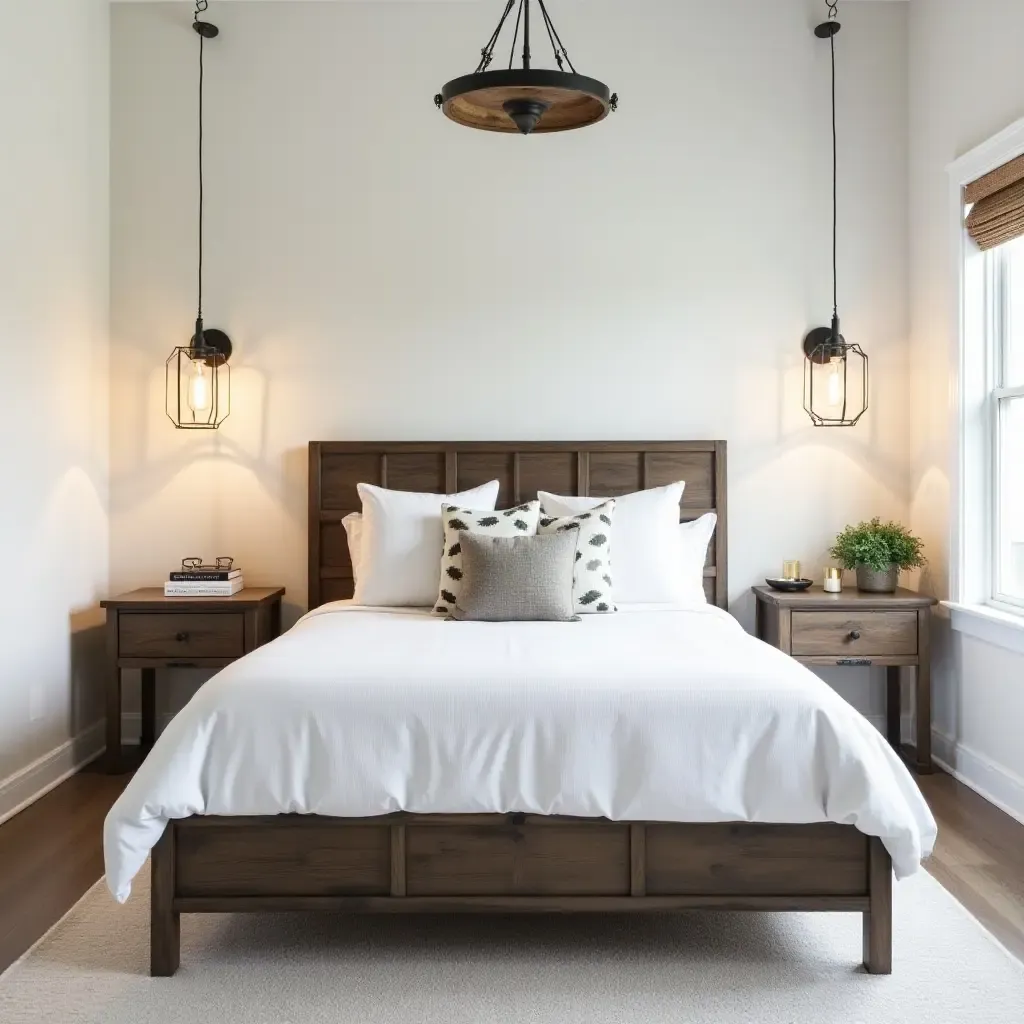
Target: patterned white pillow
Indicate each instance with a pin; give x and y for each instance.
(592, 587)
(520, 521)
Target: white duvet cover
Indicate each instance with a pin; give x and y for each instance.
(651, 714)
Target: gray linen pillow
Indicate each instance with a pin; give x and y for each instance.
(517, 579)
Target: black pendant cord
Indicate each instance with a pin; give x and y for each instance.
(556, 39)
(515, 35)
(487, 53)
(837, 345)
(201, 6)
(554, 45)
(526, 37)
(523, 20)
(825, 347)
(835, 179)
(195, 399)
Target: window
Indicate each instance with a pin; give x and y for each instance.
(1005, 273)
(986, 567)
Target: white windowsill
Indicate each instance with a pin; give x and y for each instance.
(994, 626)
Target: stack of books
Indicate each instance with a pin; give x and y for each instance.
(204, 583)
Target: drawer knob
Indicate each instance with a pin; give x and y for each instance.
(181, 637)
(518, 818)
(854, 634)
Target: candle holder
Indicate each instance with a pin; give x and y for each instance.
(833, 580)
(789, 584)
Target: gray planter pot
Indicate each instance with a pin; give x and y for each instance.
(878, 582)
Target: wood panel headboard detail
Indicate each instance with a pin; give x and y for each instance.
(523, 468)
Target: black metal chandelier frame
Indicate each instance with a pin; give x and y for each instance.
(820, 348)
(824, 345)
(527, 94)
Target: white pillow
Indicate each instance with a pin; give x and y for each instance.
(645, 543)
(694, 539)
(402, 536)
(353, 524)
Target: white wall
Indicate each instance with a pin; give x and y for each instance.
(385, 274)
(54, 297)
(966, 84)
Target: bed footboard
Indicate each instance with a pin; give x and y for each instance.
(513, 863)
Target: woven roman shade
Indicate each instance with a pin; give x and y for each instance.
(997, 215)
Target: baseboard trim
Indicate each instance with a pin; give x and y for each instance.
(998, 785)
(35, 780)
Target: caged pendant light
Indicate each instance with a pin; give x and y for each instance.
(835, 371)
(198, 378)
(527, 100)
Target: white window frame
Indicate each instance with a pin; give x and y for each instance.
(974, 397)
(1000, 392)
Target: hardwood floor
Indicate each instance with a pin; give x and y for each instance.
(51, 853)
(979, 857)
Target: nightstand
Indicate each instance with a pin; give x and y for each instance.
(147, 631)
(857, 628)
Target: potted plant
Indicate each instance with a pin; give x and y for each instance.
(878, 551)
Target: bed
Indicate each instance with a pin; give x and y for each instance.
(384, 760)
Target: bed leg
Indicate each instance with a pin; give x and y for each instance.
(878, 919)
(164, 925)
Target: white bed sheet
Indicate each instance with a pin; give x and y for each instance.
(655, 713)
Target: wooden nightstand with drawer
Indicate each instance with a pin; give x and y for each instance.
(147, 631)
(857, 628)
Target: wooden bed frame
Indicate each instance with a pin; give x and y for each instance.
(405, 863)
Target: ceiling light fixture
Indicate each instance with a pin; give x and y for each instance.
(198, 378)
(835, 372)
(526, 100)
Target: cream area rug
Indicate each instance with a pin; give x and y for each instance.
(714, 967)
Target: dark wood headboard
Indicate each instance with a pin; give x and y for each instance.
(523, 468)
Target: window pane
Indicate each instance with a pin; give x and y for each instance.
(1014, 357)
(1010, 570)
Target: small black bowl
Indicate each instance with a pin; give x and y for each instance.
(789, 586)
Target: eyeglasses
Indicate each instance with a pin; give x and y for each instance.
(222, 564)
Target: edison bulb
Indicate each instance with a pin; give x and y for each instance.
(199, 387)
(835, 380)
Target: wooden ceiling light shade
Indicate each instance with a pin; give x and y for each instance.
(560, 101)
(526, 100)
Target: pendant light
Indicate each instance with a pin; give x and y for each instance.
(526, 100)
(198, 378)
(835, 372)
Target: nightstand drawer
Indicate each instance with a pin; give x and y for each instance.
(854, 634)
(181, 635)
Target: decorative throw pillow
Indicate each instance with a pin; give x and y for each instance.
(646, 539)
(520, 521)
(517, 579)
(401, 531)
(592, 582)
